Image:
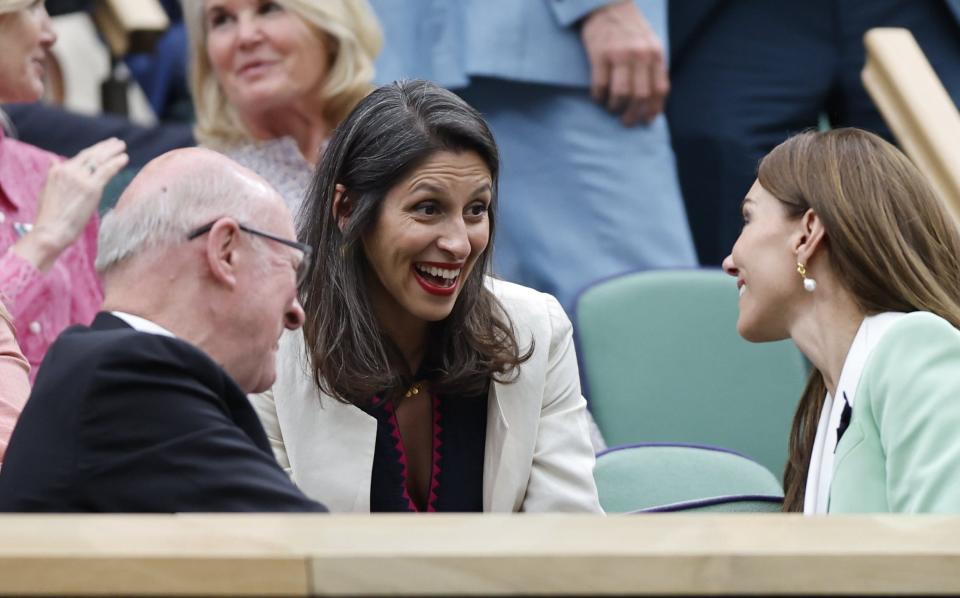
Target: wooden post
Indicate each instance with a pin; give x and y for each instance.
(130, 25)
(917, 108)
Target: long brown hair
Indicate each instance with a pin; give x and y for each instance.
(389, 134)
(889, 239)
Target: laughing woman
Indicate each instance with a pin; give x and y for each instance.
(418, 383)
(846, 250)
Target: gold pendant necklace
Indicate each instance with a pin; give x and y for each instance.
(413, 390)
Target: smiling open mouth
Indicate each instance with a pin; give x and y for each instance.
(254, 68)
(437, 280)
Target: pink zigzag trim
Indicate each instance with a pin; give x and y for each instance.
(435, 471)
(395, 433)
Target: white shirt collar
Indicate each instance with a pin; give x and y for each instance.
(820, 473)
(142, 324)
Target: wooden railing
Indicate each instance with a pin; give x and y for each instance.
(916, 107)
(407, 555)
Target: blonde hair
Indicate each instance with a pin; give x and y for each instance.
(356, 38)
(890, 241)
(13, 5)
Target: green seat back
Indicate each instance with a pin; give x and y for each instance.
(683, 478)
(662, 362)
(115, 188)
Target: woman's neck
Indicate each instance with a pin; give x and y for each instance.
(408, 333)
(825, 332)
(307, 128)
(410, 337)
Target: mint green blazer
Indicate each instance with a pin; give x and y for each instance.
(901, 452)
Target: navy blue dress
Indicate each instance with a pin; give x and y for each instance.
(459, 439)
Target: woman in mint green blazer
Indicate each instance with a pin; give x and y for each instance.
(846, 250)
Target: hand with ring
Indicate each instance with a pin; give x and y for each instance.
(68, 200)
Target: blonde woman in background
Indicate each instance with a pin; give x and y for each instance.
(272, 78)
(846, 250)
(48, 220)
(14, 380)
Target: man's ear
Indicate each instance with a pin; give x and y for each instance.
(342, 206)
(810, 237)
(221, 251)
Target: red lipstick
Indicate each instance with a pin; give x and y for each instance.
(435, 289)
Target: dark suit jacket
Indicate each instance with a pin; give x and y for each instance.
(687, 17)
(125, 421)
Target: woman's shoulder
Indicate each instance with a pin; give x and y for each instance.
(918, 344)
(918, 328)
(528, 309)
(521, 300)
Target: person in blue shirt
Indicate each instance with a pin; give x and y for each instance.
(573, 91)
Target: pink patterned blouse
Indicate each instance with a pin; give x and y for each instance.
(42, 304)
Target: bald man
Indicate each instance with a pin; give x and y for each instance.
(146, 410)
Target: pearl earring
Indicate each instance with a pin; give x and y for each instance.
(809, 284)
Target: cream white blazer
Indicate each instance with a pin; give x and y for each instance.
(538, 454)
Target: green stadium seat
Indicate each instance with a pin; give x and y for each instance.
(674, 477)
(662, 362)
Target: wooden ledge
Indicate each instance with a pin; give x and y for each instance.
(404, 555)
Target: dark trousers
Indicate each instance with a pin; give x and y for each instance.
(749, 73)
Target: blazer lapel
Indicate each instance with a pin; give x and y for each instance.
(333, 461)
(329, 444)
(498, 492)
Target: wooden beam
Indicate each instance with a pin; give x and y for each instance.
(130, 25)
(916, 107)
(519, 555)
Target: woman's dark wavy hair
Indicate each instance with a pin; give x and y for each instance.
(388, 135)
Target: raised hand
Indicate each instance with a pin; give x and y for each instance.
(69, 197)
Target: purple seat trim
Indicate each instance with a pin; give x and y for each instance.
(709, 502)
(706, 447)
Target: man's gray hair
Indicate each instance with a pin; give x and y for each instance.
(166, 212)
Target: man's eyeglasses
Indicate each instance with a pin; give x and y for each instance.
(302, 269)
